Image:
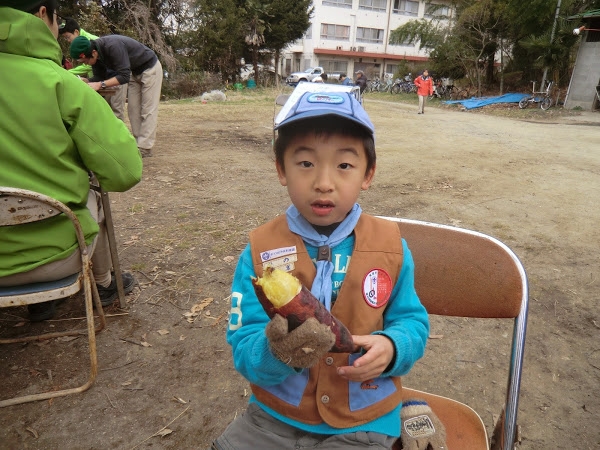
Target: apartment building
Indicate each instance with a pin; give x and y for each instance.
(350, 35)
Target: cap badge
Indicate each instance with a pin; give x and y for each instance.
(331, 99)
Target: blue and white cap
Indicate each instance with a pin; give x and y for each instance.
(318, 104)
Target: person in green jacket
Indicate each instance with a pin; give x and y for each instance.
(55, 131)
(69, 31)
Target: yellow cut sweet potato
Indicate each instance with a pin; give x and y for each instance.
(280, 292)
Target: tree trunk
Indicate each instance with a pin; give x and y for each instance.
(277, 55)
(255, 62)
(501, 66)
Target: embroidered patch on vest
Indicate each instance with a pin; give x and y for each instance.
(377, 288)
(419, 426)
(277, 253)
(369, 384)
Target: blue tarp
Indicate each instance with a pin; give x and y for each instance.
(478, 102)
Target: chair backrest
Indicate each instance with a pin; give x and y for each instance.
(20, 206)
(17, 209)
(464, 273)
(281, 99)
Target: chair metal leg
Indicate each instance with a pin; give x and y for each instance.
(112, 242)
(89, 288)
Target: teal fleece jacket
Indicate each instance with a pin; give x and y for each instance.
(54, 131)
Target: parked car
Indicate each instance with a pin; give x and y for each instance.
(300, 77)
(247, 71)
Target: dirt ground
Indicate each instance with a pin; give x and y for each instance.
(166, 379)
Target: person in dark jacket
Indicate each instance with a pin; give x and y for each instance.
(69, 32)
(361, 80)
(135, 64)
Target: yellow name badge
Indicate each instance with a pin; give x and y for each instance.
(285, 263)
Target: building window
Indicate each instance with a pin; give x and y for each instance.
(406, 43)
(331, 66)
(372, 35)
(332, 31)
(436, 10)
(374, 5)
(338, 3)
(391, 68)
(406, 7)
(308, 34)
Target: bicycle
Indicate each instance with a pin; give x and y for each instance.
(442, 89)
(542, 97)
(399, 85)
(373, 85)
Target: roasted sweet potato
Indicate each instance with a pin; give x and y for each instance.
(280, 292)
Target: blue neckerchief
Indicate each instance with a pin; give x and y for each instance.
(321, 287)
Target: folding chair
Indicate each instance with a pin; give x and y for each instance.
(18, 207)
(468, 274)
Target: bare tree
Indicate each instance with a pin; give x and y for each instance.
(139, 16)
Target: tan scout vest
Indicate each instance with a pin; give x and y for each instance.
(377, 246)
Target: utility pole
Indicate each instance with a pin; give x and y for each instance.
(551, 41)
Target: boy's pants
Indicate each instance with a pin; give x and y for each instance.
(255, 429)
(99, 249)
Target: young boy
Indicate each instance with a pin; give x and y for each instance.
(357, 265)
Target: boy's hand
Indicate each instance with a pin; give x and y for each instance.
(301, 347)
(379, 354)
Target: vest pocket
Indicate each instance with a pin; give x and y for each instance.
(367, 393)
(292, 389)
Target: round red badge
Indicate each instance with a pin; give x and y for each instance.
(377, 288)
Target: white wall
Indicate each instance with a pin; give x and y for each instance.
(585, 78)
(306, 50)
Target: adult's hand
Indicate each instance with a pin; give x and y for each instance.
(96, 85)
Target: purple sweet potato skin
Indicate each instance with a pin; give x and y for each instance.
(303, 306)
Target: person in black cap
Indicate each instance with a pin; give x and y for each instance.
(55, 132)
(361, 80)
(133, 63)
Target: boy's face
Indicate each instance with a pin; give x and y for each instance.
(324, 175)
(70, 36)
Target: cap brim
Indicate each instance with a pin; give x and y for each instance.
(322, 113)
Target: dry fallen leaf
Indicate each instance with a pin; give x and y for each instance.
(163, 433)
(180, 400)
(163, 332)
(436, 336)
(145, 344)
(229, 259)
(20, 324)
(197, 308)
(32, 431)
(126, 383)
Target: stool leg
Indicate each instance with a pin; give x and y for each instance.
(112, 243)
